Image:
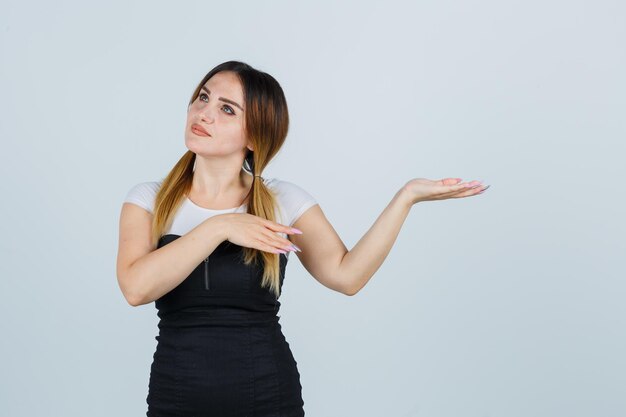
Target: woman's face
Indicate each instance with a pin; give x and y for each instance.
(217, 110)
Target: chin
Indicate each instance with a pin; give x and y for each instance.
(192, 145)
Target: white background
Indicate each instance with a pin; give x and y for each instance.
(510, 303)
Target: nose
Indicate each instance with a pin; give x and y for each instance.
(206, 114)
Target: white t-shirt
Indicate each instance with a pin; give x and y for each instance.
(293, 201)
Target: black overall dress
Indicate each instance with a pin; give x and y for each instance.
(220, 350)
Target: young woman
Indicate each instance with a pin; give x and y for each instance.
(209, 244)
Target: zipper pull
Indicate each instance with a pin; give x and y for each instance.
(206, 273)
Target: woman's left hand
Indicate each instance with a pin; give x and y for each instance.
(422, 189)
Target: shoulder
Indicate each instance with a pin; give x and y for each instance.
(143, 194)
(293, 198)
(285, 187)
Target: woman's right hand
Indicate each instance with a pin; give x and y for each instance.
(251, 231)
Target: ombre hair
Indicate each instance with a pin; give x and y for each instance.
(266, 122)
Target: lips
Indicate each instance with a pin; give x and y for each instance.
(199, 130)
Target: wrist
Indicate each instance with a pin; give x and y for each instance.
(218, 225)
(404, 197)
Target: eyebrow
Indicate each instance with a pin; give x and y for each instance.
(223, 99)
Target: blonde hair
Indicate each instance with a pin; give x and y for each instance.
(266, 122)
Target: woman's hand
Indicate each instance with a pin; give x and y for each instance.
(422, 189)
(251, 231)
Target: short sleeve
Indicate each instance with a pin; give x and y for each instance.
(294, 200)
(143, 195)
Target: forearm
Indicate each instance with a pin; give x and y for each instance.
(363, 260)
(163, 269)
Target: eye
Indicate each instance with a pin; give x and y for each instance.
(201, 96)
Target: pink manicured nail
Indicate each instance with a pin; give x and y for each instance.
(297, 231)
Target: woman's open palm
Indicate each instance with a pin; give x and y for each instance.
(422, 189)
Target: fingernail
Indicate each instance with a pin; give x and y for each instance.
(296, 248)
(297, 231)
